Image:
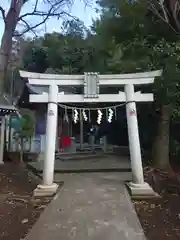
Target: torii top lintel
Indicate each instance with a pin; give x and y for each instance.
(75, 80)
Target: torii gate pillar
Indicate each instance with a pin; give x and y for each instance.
(137, 186)
(48, 187)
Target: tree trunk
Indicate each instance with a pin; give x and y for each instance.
(160, 153)
(10, 22)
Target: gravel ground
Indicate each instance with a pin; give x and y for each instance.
(18, 209)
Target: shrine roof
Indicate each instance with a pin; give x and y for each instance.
(6, 105)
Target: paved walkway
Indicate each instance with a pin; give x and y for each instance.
(106, 163)
(89, 206)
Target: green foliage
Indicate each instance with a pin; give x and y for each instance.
(127, 38)
(74, 28)
(69, 54)
(174, 149)
(145, 42)
(34, 58)
(27, 124)
(24, 128)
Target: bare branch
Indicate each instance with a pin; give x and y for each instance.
(32, 28)
(164, 10)
(159, 9)
(3, 13)
(167, 11)
(35, 7)
(52, 9)
(175, 14)
(56, 9)
(28, 29)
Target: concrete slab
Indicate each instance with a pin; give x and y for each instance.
(121, 176)
(45, 191)
(141, 191)
(110, 163)
(94, 207)
(77, 156)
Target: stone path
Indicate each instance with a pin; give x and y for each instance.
(107, 163)
(89, 206)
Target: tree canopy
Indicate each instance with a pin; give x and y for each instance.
(15, 16)
(128, 37)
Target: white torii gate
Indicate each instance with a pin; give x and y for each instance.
(92, 83)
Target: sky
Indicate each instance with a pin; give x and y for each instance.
(84, 13)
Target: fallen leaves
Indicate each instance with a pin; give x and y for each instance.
(160, 218)
(18, 209)
(24, 221)
(14, 200)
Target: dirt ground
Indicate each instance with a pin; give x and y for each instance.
(18, 209)
(160, 218)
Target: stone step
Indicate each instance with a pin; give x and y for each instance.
(73, 153)
(106, 164)
(84, 152)
(80, 156)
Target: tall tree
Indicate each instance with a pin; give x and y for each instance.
(75, 50)
(41, 10)
(145, 44)
(123, 40)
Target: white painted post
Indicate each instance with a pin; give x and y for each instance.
(133, 134)
(51, 129)
(3, 122)
(48, 188)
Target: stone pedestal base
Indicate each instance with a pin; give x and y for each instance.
(141, 191)
(45, 190)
